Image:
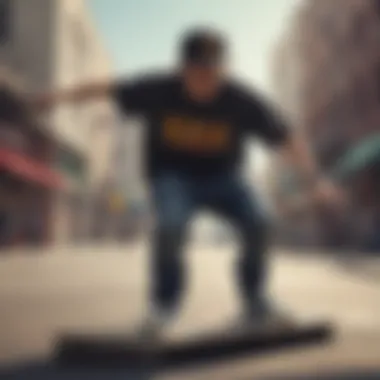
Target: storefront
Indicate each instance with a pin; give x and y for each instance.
(26, 191)
(27, 180)
(71, 202)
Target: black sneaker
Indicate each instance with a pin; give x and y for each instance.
(156, 324)
(264, 315)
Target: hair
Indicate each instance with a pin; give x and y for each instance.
(202, 32)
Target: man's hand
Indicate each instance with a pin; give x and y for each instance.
(320, 191)
(326, 193)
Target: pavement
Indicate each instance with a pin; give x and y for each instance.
(104, 288)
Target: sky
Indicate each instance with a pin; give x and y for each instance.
(142, 34)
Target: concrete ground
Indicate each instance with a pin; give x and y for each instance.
(103, 288)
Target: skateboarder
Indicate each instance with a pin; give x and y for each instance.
(198, 118)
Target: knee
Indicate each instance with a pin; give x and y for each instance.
(170, 230)
(257, 225)
(171, 227)
(264, 223)
(169, 238)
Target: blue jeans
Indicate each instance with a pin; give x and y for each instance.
(177, 198)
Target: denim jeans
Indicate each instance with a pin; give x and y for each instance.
(177, 198)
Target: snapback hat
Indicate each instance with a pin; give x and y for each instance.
(203, 47)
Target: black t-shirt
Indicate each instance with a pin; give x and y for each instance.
(197, 138)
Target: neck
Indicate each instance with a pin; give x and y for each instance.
(201, 98)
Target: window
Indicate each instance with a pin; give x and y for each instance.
(79, 38)
(13, 138)
(5, 24)
(79, 47)
(71, 164)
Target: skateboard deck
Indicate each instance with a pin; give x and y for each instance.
(128, 351)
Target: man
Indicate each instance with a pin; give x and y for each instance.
(198, 119)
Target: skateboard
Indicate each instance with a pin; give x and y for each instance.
(128, 351)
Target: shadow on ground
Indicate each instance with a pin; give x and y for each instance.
(344, 375)
(46, 371)
(367, 268)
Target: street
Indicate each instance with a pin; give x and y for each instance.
(104, 288)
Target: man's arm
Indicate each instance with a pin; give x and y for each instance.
(76, 94)
(268, 123)
(132, 96)
(296, 150)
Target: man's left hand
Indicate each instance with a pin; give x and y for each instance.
(326, 193)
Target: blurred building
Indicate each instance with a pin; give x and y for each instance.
(55, 45)
(27, 179)
(335, 99)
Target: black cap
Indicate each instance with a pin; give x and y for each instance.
(204, 47)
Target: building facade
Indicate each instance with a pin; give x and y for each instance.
(27, 179)
(55, 45)
(337, 100)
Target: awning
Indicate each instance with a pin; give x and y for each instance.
(29, 169)
(360, 157)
